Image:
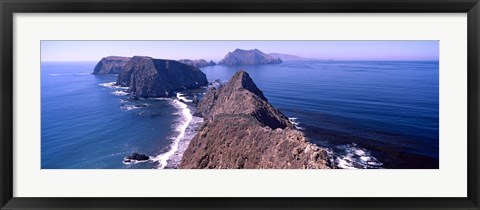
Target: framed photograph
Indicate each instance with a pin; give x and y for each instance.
(239, 105)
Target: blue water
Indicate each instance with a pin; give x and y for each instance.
(370, 114)
(84, 125)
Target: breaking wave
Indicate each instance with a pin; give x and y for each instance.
(185, 129)
(120, 93)
(295, 122)
(351, 156)
(112, 85)
(182, 97)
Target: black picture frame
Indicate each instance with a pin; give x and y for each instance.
(10, 7)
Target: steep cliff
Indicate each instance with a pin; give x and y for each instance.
(242, 130)
(148, 77)
(248, 57)
(111, 65)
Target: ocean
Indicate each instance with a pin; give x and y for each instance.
(369, 114)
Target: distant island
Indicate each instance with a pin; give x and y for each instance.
(242, 130)
(197, 63)
(241, 57)
(116, 64)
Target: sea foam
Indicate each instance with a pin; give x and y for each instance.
(112, 85)
(351, 156)
(119, 93)
(185, 129)
(182, 97)
(295, 123)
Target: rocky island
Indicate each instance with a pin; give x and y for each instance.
(111, 65)
(242, 129)
(241, 57)
(148, 77)
(197, 63)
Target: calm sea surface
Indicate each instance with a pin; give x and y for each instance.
(370, 114)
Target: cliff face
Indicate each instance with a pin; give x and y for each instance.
(197, 63)
(148, 77)
(248, 57)
(111, 65)
(242, 130)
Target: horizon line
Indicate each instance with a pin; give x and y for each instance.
(307, 59)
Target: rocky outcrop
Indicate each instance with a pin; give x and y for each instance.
(136, 157)
(148, 77)
(242, 130)
(197, 63)
(240, 96)
(111, 65)
(195, 99)
(248, 57)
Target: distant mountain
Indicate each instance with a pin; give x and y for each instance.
(286, 57)
(248, 57)
(197, 63)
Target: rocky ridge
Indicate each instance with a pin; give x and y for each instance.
(242, 130)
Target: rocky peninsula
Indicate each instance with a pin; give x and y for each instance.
(148, 77)
(241, 57)
(242, 129)
(197, 63)
(111, 65)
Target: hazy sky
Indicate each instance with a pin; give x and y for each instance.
(216, 50)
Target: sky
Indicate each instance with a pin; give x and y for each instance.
(216, 50)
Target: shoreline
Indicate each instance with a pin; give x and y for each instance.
(186, 129)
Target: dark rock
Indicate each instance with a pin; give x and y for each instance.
(242, 130)
(197, 63)
(196, 114)
(111, 65)
(137, 157)
(248, 57)
(148, 77)
(195, 99)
